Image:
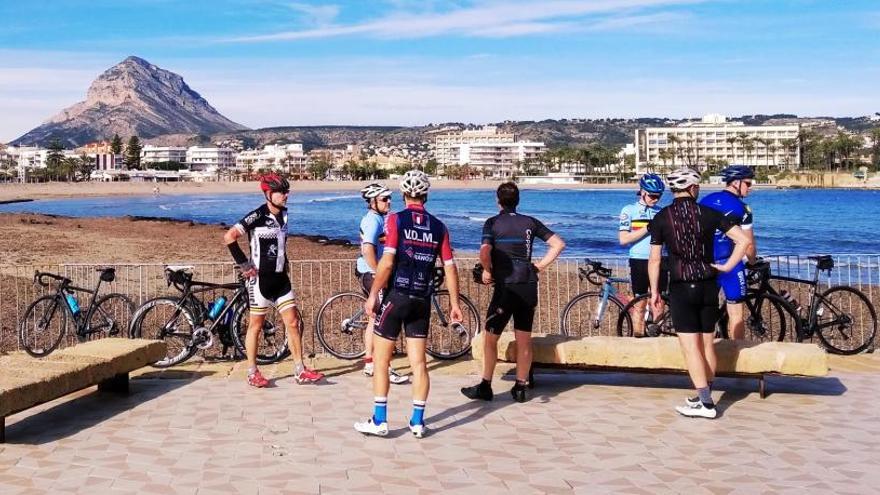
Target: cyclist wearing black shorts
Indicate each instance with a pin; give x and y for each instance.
(506, 256)
(414, 239)
(687, 230)
(266, 271)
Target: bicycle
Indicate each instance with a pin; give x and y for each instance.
(341, 322)
(109, 314)
(841, 316)
(586, 312)
(187, 325)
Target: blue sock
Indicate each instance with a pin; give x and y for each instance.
(380, 410)
(418, 415)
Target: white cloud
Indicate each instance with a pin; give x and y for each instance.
(316, 14)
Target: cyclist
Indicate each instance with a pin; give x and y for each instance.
(414, 239)
(633, 232)
(378, 198)
(729, 201)
(266, 271)
(687, 230)
(506, 256)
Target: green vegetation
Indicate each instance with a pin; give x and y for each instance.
(132, 156)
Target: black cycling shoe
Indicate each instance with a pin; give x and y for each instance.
(518, 392)
(480, 391)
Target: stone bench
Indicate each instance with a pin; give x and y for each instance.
(738, 359)
(26, 381)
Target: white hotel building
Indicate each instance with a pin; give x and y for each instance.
(485, 149)
(160, 154)
(716, 138)
(210, 158)
(289, 157)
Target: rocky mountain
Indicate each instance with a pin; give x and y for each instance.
(133, 97)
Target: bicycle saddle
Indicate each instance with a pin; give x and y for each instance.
(823, 262)
(108, 274)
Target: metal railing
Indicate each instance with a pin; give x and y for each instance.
(316, 280)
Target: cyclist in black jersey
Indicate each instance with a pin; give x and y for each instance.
(266, 270)
(506, 256)
(687, 229)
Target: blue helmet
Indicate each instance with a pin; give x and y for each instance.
(737, 172)
(652, 183)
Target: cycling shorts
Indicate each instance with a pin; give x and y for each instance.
(366, 280)
(512, 300)
(638, 274)
(733, 283)
(266, 290)
(694, 306)
(399, 310)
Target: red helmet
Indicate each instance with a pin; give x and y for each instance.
(274, 182)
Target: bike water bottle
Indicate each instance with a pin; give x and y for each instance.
(790, 299)
(71, 301)
(216, 307)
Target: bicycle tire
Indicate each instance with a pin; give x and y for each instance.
(340, 325)
(831, 334)
(768, 318)
(155, 318)
(112, 314)
(270, 348)
(578, 316)
(662, 324)
(27, 338)
(452, 341)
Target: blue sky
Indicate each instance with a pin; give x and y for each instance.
(403, 62)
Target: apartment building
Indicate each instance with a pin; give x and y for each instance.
(210, 158)
(161, 154)
(285, 157)
(494, 153)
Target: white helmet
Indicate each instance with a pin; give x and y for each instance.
(415, 184)
(683, 178)
(375, 190)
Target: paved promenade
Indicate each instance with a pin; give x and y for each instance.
(201, 430)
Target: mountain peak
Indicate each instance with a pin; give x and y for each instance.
(134, 97)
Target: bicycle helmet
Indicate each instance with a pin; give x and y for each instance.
(683, 178)
(737, 172)
(274, 183)
(652, 183)
(375, 190)
(415, 184)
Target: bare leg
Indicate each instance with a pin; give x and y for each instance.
(415, 351)
(294, 337)
(382, 350)
(368, 338)
(736, 327)
(252, 339)
(692, 349)
(523, 354)
(639, 318)
(490, 354)
(709, 355)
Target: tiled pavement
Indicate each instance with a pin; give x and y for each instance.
(203, 431)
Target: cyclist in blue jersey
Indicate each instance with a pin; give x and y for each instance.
(266, 271)
(372, 232)
(633, 232)
(729, 202)
(414, 239)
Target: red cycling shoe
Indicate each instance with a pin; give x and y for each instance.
(257, 380)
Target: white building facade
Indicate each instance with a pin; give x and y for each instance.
(283, 157)
(494, 153)
(210, 158)
(714, 138)
(161, 154)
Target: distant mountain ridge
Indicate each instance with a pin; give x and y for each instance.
(133, 97)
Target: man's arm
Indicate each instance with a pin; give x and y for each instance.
(369, 253)
(383, 273)
(741, 246)
(654, 260)
(556, 245)
(230, 239)
(486, 261)
(626, 238)
(752, 251)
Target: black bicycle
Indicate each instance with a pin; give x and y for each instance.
(45, 321)
(187, 325)
(341, 322)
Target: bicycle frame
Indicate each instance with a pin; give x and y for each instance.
(188, 297)
(809, 324)
(82, 322)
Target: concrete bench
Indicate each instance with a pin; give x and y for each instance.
(736, 359)
(26, 381)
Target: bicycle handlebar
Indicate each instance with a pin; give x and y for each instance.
(40, 276)
(595, 268)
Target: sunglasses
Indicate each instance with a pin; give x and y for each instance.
(386, 199)
(655, 196)
(747, 183)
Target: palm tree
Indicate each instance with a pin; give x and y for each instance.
(673, 140)
(789, 145)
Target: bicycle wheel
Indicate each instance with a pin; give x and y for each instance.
(272, 345)
(110, 317)
(846, 320)
(589, 314)
(450, 341)
(767, 318)
(43, 326)
(654, 326)
(169, 320)
(340, 325)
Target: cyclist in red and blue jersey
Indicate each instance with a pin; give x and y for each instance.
(633, 232)
(729, 202)
(266, 271)
(414, 239)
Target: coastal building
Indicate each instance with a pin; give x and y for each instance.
(486, 150)
(289, 158)
(210, 158)
(108, 162)
(95, 148)
(714, 139)
(162, 154)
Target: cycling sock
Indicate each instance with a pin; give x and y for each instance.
(368, 360)
(520, 384)
(710, 384)
(705, 395)
(380, 410)
(298, 368)
(485, 383)
(252, 370)
(418, 414)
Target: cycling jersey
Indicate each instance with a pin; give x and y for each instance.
(372, 232)
(732, 207)
(511, 236)
(635, 217)
(416, 238)
(687, 229)
(267, 236)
